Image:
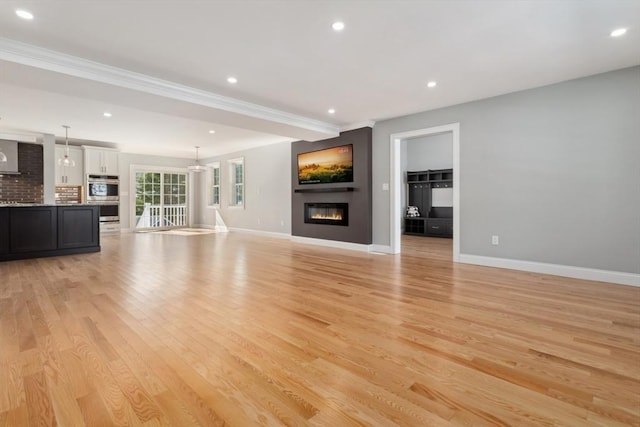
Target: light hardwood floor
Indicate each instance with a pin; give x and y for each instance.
(234, 329)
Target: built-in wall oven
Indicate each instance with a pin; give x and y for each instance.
(104, 190)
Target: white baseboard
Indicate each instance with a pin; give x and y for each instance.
(311, 241)
(618, 277)
(383, 249)
(621, 278)
(332, 243)
(260, 232)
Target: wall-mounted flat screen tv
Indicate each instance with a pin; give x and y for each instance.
(326, 166)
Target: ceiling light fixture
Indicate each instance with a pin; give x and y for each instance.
(618, 32)
(432, 84)
(212, 131)
(337, 26)
(107, 114)
(24, 14)
(197, 167)
(331, 111)
(66, 161)
(232, 80)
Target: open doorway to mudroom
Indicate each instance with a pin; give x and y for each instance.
(425, 192)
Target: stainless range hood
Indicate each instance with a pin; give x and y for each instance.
(10, 149)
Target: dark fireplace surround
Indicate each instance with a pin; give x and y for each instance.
(354, 198)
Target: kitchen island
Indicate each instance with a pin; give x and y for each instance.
(40, 230)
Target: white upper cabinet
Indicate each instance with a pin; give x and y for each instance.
(93, 161)
(111, 160)
(72, 175)
(100, 161)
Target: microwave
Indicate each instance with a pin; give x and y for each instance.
(109, 212)
(103, 188)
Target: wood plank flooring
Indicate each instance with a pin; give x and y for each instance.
(234, 329)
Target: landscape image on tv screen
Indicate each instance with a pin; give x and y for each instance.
(326, 166)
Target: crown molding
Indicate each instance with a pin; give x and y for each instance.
(358, 125)
(38, 57)
(20, 137)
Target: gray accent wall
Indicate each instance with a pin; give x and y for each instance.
(359, 200)
(554, 171)
(429, 152)
(267, 191)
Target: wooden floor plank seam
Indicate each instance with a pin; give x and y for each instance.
(239, 330)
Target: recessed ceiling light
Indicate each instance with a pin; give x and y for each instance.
(432, 84)
(338, 26)
(107, 114)
(331, 111)
(232, 80)
(24, 14)
(618, 32)
(212, 131)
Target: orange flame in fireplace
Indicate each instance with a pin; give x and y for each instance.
(334, 216)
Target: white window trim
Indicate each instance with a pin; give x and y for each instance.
(133, 168)
(210, 168)
(232, 183)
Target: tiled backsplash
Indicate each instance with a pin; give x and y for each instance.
(68, 193)
(28, 186)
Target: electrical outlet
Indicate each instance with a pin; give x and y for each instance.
(282, 223)
(495, 240)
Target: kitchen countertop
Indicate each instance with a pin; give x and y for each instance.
(27, 205)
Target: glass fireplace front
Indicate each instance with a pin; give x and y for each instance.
(326, 213)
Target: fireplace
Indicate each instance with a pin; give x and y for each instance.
(326, 213)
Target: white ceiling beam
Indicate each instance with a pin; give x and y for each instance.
(20, 137)
(38, 57)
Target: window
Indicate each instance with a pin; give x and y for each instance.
(214, 184)
(160, 199)
(236, 171)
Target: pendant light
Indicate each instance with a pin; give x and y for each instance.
(197, 167)
(66, 161)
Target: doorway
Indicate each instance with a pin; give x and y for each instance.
(160, 200)
(397, 181)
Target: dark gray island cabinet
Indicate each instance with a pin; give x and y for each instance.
(32, 231)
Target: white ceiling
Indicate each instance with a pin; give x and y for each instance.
(287, 58)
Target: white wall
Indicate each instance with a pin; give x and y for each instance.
(267, 191)
(49, 168)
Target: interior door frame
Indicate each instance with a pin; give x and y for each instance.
(395, 226)
(157, 169)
